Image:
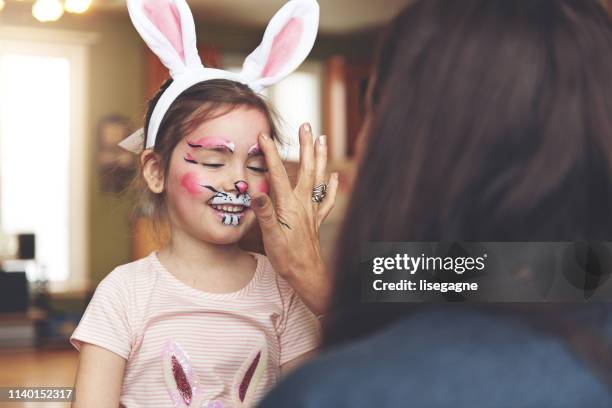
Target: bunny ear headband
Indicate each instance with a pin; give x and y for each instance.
(168, 28)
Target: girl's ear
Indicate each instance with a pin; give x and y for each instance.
(152, 171)
(287, 42)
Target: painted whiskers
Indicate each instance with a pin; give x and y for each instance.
(231, 207)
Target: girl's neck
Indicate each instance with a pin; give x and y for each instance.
(206, 266)
(192, 251)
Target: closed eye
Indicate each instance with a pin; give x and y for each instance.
(190, 159)
(257, 169)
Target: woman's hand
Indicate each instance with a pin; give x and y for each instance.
(290, 224)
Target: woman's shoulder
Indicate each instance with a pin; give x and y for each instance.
(446, 358)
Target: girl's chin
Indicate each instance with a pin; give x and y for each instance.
(222, 234)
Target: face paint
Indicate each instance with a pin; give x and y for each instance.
(221, 152)
(229, 208)
(191, 183)
(254, 150)
(242, 186)
(189, 159)
(263, 187)
(212, 143)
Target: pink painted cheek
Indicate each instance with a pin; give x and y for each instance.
(190, 182)
(263, 187)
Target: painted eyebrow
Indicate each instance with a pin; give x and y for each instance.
(212, 143)
(254, 151)
(189, 158)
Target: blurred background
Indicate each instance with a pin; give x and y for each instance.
(74, 78)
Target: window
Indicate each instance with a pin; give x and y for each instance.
(297, 99)
(34, 154)
(42, 153)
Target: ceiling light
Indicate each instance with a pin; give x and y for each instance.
(47, 10)
(77, 6)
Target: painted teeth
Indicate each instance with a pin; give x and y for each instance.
(231, 219)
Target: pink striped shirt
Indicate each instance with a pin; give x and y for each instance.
(188, 348)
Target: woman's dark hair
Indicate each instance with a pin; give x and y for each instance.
(197, 104)
(491, 121)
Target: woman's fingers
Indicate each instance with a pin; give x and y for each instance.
(279, 181)
(266, 216)
(305, 180)
(320, 160)
(330, 199)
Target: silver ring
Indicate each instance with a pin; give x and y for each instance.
(319, 192)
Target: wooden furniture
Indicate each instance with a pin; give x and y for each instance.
(344, 104)
(35, 368)
(157, 73)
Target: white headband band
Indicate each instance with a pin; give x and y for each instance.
(167, 27)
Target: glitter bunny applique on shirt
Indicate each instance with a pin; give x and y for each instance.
(248, 376)
(186, 390)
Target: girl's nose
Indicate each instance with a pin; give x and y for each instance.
(242, 186)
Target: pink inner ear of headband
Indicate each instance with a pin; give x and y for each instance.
(165, 16)
(284, 45)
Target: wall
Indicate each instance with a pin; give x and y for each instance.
(117, 86)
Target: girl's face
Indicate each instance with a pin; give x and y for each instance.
(213, 173)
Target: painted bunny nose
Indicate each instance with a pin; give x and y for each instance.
(241, 186)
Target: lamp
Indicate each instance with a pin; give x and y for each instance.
(47, 10)
(77, 6)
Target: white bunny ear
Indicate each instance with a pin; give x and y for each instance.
(287, 42)
(168, 29)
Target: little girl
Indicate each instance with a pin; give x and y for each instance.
(201, 323)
